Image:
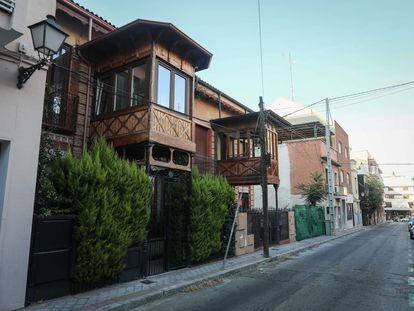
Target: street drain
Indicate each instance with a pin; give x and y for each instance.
(146, 281)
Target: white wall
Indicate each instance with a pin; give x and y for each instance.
(20, 126)
(286, 199)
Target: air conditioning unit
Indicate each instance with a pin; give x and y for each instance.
(7, 5)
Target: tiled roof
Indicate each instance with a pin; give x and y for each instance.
(89, 11)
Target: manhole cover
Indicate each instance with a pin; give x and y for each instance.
(146, 281)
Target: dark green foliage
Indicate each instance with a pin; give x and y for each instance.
(176, 206)
(111, 198)
(47, 200)
(225, 231)
(373, 197)
(314, 191)
(210, 202)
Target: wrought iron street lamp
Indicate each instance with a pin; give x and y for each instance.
(48, 38)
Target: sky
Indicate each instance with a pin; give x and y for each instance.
(338, 48)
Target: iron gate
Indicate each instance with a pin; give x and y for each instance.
(255, 226)
(171, 249)
(309, 221)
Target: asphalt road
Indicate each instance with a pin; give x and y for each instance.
(369, 270)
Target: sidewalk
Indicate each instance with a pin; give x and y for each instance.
(124, 296)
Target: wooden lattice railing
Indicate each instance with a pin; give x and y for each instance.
(149, 122)
(120, 124)
(246, 171)
(170, 123)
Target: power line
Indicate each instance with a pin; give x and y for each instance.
(333, 99)
(354, 96)
(370, 99)
(293, 112)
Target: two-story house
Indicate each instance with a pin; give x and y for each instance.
(136, 85)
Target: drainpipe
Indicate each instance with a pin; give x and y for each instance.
(90, 23)
(219, 98)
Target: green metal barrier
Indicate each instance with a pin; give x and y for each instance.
(309, 221)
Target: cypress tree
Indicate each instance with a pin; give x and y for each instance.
(111, 198)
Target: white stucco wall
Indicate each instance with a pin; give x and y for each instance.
(20, 126)
(286, 199)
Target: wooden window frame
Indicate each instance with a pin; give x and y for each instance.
(66, 103)
(112, 74)
(173, 71)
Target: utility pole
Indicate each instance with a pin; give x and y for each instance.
(263, 173)
(330, 174)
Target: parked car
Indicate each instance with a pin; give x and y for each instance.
(410, 222)
(406, 219)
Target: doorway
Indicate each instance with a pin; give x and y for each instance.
(169, 236)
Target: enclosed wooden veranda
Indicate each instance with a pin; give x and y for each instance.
(238, 147)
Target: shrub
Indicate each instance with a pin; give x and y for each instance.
(210, 202)
(47, 200)
(314, 191)
(111, 198)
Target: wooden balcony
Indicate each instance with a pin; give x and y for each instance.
(246, 171)
(238, 148)
(150, 122)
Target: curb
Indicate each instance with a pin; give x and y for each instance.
(135, 302)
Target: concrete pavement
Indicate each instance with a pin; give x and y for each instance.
(368, 270)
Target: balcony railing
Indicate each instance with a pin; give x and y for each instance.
(59, 111)
(338, 190)
(148, 122)
(341, 190)
(246, 171)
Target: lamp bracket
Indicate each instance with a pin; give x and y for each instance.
(26, 73)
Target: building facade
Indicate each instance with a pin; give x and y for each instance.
(137, 86)
(20, 126)
(302, 151)
(367, 166)
(399, 196)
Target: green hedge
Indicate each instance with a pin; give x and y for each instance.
(210, 201)
(111, 198)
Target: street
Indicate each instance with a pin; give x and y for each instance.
(369, 270)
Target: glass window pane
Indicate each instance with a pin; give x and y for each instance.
(179, 93)
(163, 95)
(180, 157)
(139, 84)
(104, 91)
(122, 94)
